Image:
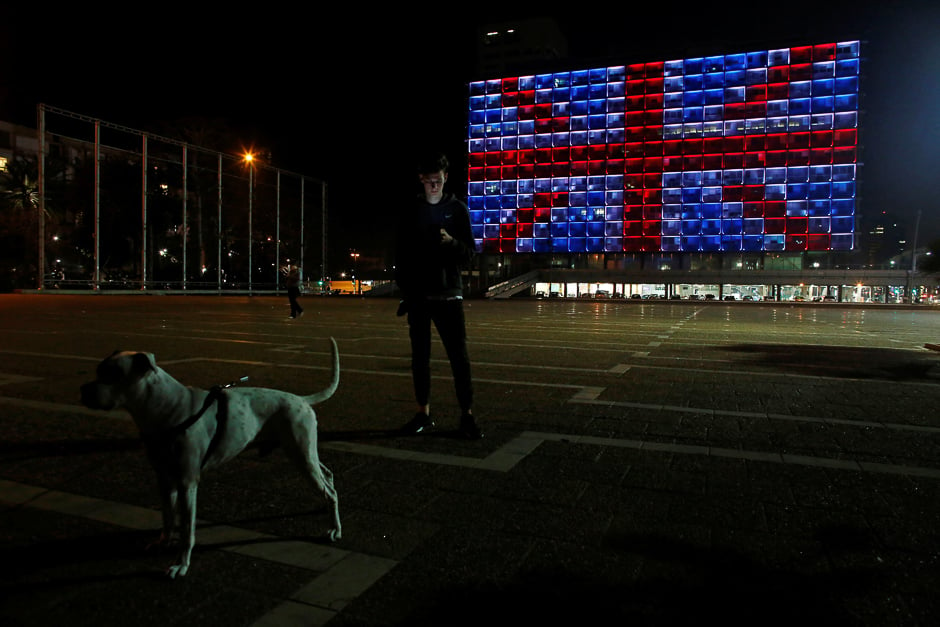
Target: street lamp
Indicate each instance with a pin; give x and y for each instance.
(355, 258)
(250, 162)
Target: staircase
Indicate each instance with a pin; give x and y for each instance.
(513, 286)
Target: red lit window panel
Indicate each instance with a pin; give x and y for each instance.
(753, 209)
(778, 74)
(820, 139)
(776, 158)
(803, 72)
(733, 193)
(824, 52)
(778, 91)
(757, 92)
(776, 141)
(775, 209)
(633, 244)
(734, 144)
(843, 155)
(845, 137)
(820, 156)
(754, 142)
(796, 242)
(775, 226)
(712, 162)
(802, 54)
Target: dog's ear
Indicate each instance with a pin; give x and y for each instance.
(142, 362)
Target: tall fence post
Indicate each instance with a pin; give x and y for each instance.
(143, 213)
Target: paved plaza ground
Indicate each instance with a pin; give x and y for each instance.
(645, 463)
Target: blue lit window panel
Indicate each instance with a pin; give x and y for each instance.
(619, 151)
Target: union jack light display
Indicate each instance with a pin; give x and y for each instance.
(754, 151)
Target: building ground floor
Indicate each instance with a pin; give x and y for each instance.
(821, 278)
(734, 291)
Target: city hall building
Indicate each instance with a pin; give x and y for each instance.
(725, 176)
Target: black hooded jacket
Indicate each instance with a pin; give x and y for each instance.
(426, 268)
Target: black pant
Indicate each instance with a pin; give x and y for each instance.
(295, 308)
(448, 317)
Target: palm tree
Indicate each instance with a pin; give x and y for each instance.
(19, 201)
(19, 186)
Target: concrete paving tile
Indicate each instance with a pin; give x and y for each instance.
(344, 581)
(295, 614)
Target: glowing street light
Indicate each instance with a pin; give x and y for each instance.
(355, 258)
(250, 162)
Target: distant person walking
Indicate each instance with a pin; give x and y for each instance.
(434, 241)
(293, 291)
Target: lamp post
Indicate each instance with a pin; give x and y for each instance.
(250, 160)
(355, 258)
(913, 270)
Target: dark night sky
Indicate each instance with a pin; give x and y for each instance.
(348, 98)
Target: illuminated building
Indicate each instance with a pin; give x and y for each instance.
(752, 151)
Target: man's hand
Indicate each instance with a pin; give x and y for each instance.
(446, 237)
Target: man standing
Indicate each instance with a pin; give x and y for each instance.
(293, 291)
(434, 241)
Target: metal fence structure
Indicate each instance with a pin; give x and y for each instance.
(127, 209)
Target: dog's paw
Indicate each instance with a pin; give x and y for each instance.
(177, 571)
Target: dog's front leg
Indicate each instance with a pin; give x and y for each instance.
(168, 509)
(187, 512)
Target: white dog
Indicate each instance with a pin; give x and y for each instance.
(187, 430)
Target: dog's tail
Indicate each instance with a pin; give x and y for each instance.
(321, 396)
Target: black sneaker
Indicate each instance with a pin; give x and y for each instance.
(416, 425)
(469, 428)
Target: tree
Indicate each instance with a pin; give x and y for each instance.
(19, 204)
